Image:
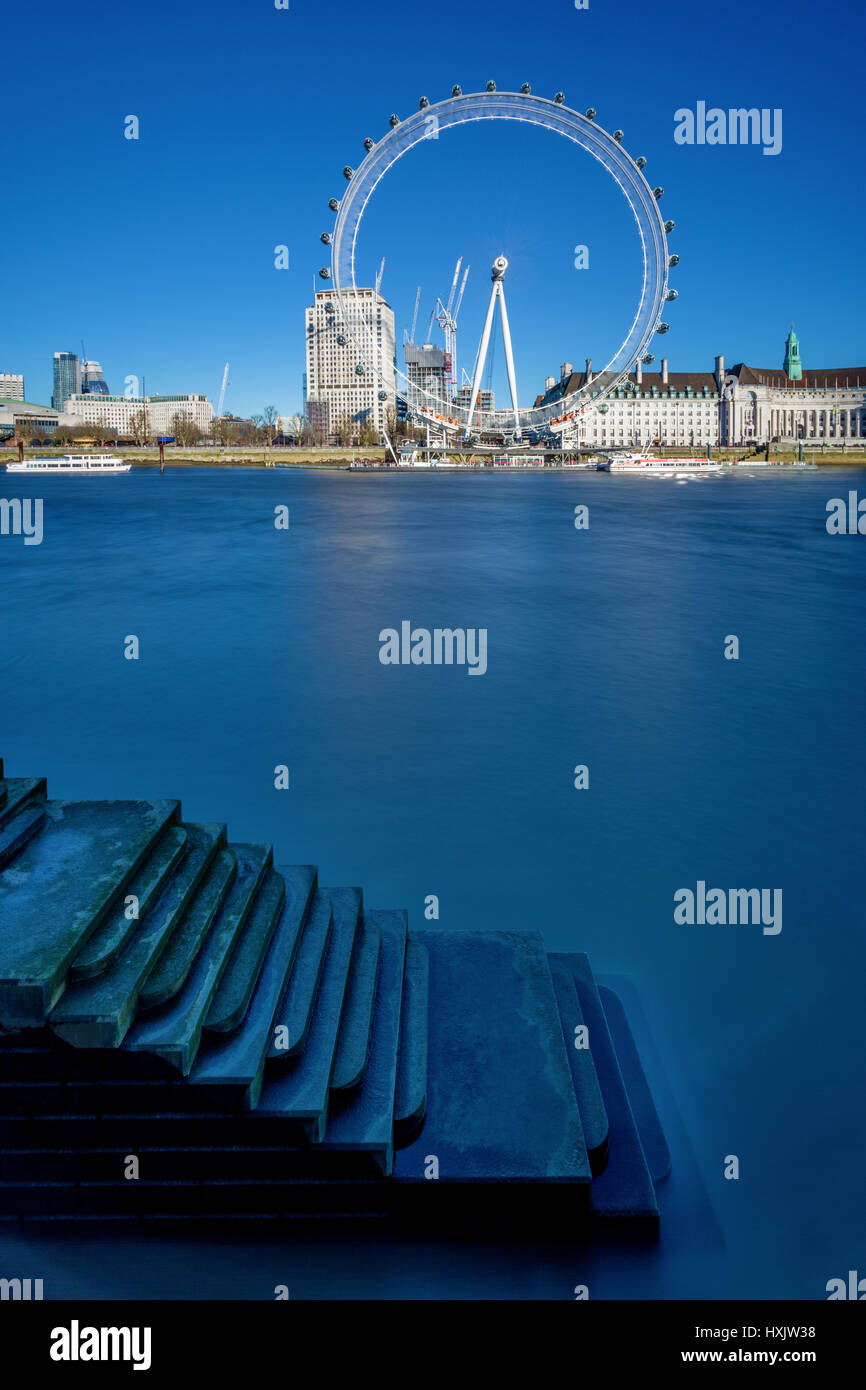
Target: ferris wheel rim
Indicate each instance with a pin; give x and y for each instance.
(557, 118)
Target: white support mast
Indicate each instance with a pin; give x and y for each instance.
(500, 265)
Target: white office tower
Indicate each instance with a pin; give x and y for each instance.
(350, 362)
(11, 386)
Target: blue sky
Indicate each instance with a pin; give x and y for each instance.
(159, 253)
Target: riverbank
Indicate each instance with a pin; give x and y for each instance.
(211, 457)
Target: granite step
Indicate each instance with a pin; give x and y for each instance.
(296, 1006)
(590, 1101)
(298, 1090)
(231, 1067)
(174, 1030)
(260, 911)
(652, 1138)
(362, 1120)
(501, 1108)
(410, 1102)
(61, 887)
(353, 1042)
(625, 1189)
(181, 950)
(97, 1013)
(15, 834)
(18, 793)
(116, 932)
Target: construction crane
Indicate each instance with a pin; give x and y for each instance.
(379, 276)
(415, 316)
(447, 320)
(223, 391)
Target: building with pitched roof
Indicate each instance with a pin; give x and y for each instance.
(741, 406)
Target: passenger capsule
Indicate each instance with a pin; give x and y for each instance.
(618, 136)
(657, 192)
(334, 204)
(348, 171)
(669, 225)
(325, 273)
(368, 144)
(326, 238)
(674, 260)
(393, 121)
(590, 113)
(640, 162)
(456, 91)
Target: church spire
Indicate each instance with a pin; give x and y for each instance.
(792, 365)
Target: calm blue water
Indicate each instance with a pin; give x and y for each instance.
(605, 647)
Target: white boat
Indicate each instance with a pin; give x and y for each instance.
(72, 463)
(657, 466)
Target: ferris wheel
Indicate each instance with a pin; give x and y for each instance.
(556, 416)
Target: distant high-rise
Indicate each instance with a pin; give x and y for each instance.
(93, 383)
(67, 378)
(11, 386)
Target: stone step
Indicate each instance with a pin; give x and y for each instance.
(652, 1138)
(97, 1013)
(181, 950)
(296, 1006)
(15, 834)
(501, 1108)
(260, 918)
(584, 1076)
(64, 883)
(298, 1090)
(362, 1120)
(232, 1066)
(116, 932)
(625, 1188)
(174, 1031)
(353, 1042)
(410, 1103)
(18, 792)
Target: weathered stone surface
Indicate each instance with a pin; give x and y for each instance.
(625, 1188)
(251, 944)
(590, 1102)
(410, 1101)
(98, 1012)
(116, 932)
(296, 1006)
(60, 888)
(500, 1101)
(18, 830)
(174, 1031)
(237, 1060)
(299, 1089)
(362, 1119)
(353, 1042)
(182, 947)
(19, 791)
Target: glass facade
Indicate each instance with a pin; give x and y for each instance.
(67, 378)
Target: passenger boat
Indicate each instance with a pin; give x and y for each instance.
(72, 463)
